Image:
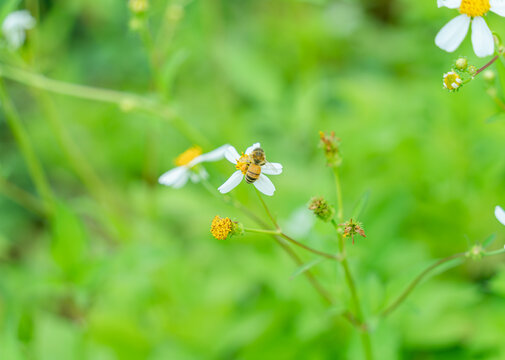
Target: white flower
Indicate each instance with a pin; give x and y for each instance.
(242, 163)
(15, 26)
(186, 162)
(500, 214)
(472, 11)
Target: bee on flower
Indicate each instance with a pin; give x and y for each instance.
(500, 214)
(472, 11)
(187, 166)
(252, 166)
(14, 27)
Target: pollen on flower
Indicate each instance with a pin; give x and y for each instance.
(474, 8)
(221, 227)
(188, 155)
(243, 163)
(452, 81)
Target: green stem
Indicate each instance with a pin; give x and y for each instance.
(338, 188)
(81, 91)
(365, 336)
(34, 166)
(262, 231)
(495, 252)
(389, 309)
(314, 251)
(267, 210)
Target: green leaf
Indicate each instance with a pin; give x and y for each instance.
(361, 205)
(303, 268)
(491, 238)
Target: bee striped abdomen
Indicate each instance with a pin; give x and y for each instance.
(253, 173)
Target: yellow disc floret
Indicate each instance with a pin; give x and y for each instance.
(188, 155)
(474, 8)
(452, 81)
(220, 227)
(243, 163)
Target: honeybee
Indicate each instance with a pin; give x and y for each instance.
(257, 159)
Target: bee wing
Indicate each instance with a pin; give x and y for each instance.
(271, 168)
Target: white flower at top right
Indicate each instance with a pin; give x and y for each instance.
(472, 11)
(500, 214)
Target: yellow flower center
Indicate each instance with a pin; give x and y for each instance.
(188, 155)
(243, 163)
(220, 227)
(474, 8)
(452, 81)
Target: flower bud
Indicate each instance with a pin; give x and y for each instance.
(224, 228)
(322, 209)
(452, 81)
(331, 146)
(472, 70)
(476, 252)
(461, 63)
(352, 228)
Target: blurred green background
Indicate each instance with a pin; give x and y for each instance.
(126, 268)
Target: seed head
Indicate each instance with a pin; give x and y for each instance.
(352, 228)
(331, 146)
(322, 209)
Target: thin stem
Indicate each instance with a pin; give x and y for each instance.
(365, 336)
(34, 166)
(262, 231)
(487, 65)
(308, 248)
(267, 210)
(123, 99)
(495, 252)
(416, 282)
(338, 188)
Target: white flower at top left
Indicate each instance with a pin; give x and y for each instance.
(187, 166)
(14, 27)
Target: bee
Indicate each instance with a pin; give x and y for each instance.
(258, 159)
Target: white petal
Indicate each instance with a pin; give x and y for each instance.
(264, 185)
(482, 38)
(498, 7)
(251, 148)
(173, 176)
(451, 4)
(453, 33)
(271, 168)
(232, 182)
(231, 154)
(500, 214)
(182, 180)
(214, 155)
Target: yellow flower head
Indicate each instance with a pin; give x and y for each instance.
(221, 227)
(243, 163)
(452, 81)
(188, 155)
(138, 6)
(474, 8)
